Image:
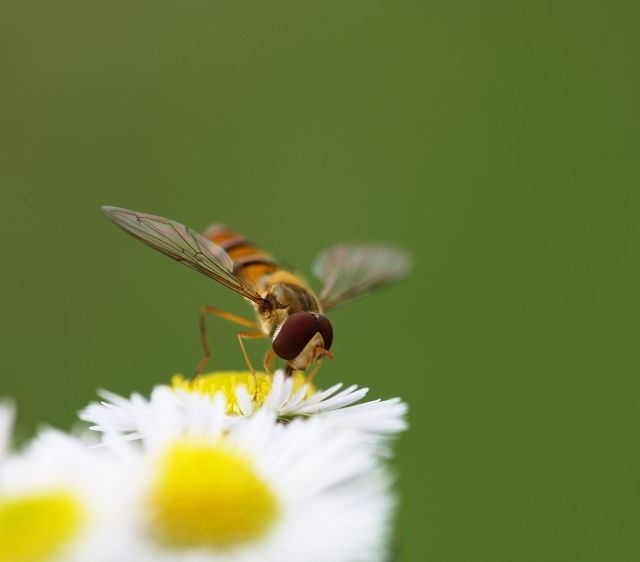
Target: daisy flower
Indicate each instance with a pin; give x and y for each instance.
(55, 501)
(202, 489)
(286, 397)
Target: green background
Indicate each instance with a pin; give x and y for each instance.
(498, 141)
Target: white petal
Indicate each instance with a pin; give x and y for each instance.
(335, 497)
(57, 462)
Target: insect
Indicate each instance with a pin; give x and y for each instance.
(287, 310)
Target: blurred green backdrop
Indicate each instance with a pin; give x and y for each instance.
(496, 140)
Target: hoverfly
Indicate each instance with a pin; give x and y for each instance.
(286, 308)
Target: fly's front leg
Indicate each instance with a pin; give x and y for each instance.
(268, 359)
(205, 340)
(250, 335)
(314, 372)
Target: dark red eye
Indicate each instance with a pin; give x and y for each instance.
(326, 331)
(296, 332)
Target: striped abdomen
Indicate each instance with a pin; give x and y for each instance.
(249, 261)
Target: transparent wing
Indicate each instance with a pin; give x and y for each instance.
(182, 244)
(350, 270)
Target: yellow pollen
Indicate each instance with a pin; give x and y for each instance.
(34, 527)
(209, 496)
(227, 382)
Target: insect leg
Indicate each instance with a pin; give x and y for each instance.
(203, 332)
(315, 370)
(250, 335)
(268, 358)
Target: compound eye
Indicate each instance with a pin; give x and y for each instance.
(295, 334)
(326, 331)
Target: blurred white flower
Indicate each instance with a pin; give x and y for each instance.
(225, 468)
(201, 489)
(57, 503)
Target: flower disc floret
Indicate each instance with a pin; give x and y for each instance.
(34, 527)
(209, 495)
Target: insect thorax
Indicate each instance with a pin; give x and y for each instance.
(287, 298)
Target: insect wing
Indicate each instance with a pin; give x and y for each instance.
(350, 270)
(182, 244)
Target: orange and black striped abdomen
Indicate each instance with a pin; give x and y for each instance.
(249, 261)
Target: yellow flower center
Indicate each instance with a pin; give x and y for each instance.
(208, 495)
(227, 382)
(34, 527)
